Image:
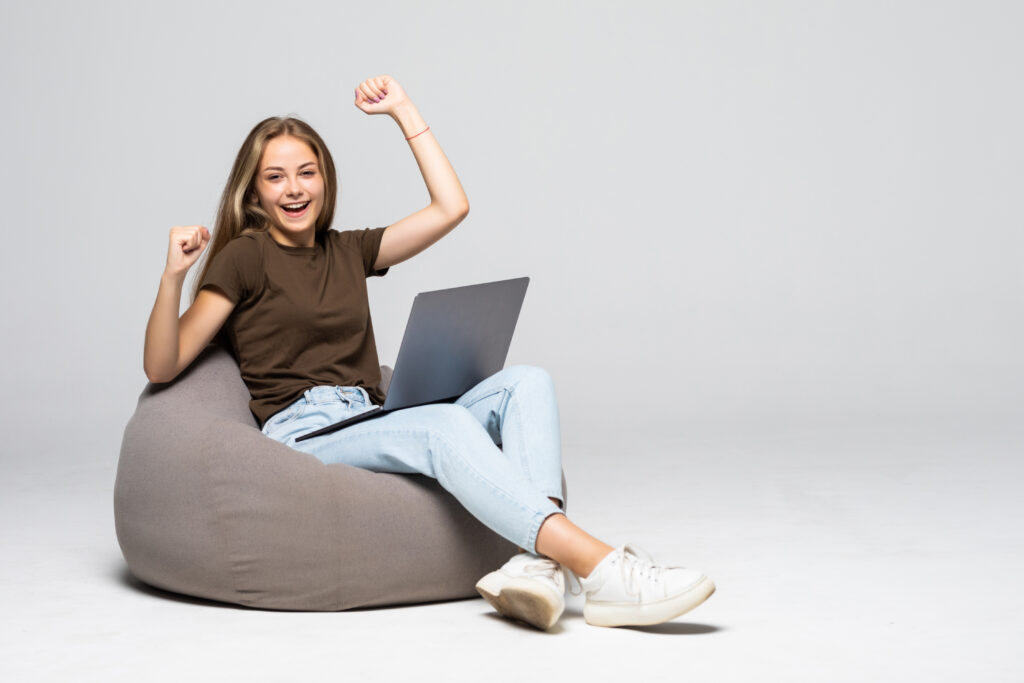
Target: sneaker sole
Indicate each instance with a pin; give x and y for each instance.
(633, 614)
(521, 599)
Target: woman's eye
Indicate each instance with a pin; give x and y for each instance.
(308, 172)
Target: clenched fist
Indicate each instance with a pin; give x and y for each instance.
(187, 243)
(380, 95)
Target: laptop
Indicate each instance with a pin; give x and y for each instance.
(455, 339)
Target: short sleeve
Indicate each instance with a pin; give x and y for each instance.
(367, 243)
(235, 269)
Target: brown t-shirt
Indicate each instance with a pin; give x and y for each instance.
(301, 316)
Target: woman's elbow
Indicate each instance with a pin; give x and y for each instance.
(157, 377)
(458, 212)
(454, 207)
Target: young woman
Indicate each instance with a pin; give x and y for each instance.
(289, 294)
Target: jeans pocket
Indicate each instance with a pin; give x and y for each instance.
(289, 414)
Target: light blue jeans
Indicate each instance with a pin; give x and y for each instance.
(506, 488)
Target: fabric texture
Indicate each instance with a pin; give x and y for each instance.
(206, 505)
(302, 315)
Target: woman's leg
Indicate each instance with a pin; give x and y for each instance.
(442, 441)
(448, 443)
(569, 545)
(500, 410)
(518, 408)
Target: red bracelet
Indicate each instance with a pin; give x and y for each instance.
(420, 133)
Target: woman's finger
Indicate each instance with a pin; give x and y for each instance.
(375, 85)
(367, 93)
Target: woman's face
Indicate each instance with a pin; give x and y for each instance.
(290, 188)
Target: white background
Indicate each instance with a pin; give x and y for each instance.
(748, 220)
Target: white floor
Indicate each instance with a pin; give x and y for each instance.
(862, 554)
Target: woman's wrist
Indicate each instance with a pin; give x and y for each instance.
(408, 118)
(173, 278)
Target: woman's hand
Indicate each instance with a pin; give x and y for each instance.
(380, 95)
(187, 244)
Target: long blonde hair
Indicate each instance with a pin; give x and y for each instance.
(240, 211)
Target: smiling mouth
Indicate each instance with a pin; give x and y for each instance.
(295, 210)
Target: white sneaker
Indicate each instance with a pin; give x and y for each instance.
(626, 588)
(528, 587)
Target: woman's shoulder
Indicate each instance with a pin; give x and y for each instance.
(352, 236)
(341, 239)
(242, 251)
(245, 243)
(249, 236)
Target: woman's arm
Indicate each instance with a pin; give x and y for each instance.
(448, 203)
(171, 345)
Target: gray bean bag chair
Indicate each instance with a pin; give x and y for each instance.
(206, 505)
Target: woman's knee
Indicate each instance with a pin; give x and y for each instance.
(531, 374)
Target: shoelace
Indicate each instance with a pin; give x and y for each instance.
(541, 567)
(635, 564)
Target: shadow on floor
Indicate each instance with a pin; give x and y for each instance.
(676, 628)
